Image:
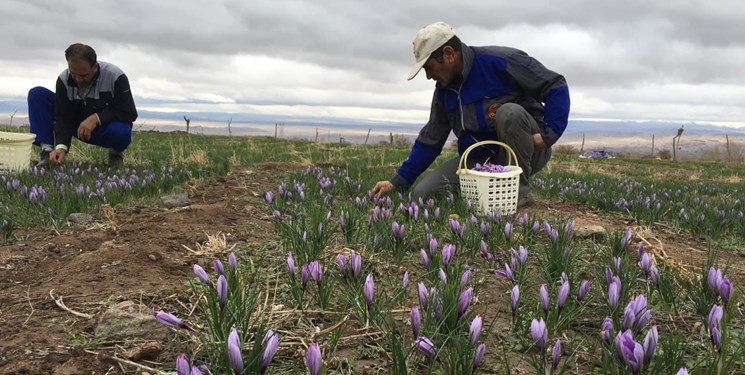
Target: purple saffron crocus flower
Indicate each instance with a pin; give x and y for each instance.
(479, 355)
(217, 265)
(448, 251)
(269, 196)
(682, 371)
(543, 294)
(232, 262)
(405, 280)
(423, 296)
(234, 352)
(182, 365)
(556, 354)
(424, 258)
(645, 263)
(654, 275)
(715, 316)
(583, 289)
(316, 271)
(563, 295)
(464, 300)
(304, 274)
(606, 329)
(222, 290)
(475, 330)
(443, 276)
(630, 351)
(626, 238)
(539, 333)
(522, 255)
(356, 262)
(425, 346)
(432, 246)
(202, 274)
(368, 290)
(291, 264)
(271, 342)
(725, 289)
(716, 338)
(515, 298)
(170, 320)
(465, 278)
(650, 344)
(506, 273)
(713, 279)
(341, 260)
(614, 290)
(507, 230)
(313, 359)
(416, 320)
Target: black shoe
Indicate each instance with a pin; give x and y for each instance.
(115, 160)
(43, 159)
(525, 200)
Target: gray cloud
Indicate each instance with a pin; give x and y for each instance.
(620, 58)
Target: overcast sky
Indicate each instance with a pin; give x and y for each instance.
(676, 60)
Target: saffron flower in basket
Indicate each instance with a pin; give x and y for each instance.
(489, 167)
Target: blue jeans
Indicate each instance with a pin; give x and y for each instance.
(115, 135)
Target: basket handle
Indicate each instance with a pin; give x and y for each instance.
(510, 154)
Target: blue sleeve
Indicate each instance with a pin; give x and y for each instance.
(556, 116)
(420, 158)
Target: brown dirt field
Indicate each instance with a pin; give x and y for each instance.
(139, 253)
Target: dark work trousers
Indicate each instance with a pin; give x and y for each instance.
(515, 127)
(115, 136)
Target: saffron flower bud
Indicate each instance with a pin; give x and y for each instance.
(341, 260)
(234, 352)
(222, 290)
(416, 320)
(479, 355)
(202, 274)
(356, 261)
(425, 346)
(556, 354)
(539, 333)
(217, 265)
(271, 340)
(182, 365)
(543, 294)
(563, 295)
(475, 330)
(606, 329)
(291, 264)
(443, 276)
(368, 290)
(448, 251)
(583, 289)
(313, 359)
(515, 298)
(650, 344)
(405, 281)
(424, 258)
(232, 262)
(464, 300)
(422, 290)
(170, 320)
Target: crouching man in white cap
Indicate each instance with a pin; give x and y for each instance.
(481, 93)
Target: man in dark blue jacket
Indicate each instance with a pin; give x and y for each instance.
(481, 93)
(92, 102)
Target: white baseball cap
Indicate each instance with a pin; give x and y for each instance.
(428, 40)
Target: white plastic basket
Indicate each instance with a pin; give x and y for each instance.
(15, 151)
(494, 192)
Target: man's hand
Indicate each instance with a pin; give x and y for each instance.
(538, 142)
(57, 156)
(86, 127)
(382, 188)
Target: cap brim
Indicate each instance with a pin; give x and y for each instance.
(416, 68)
